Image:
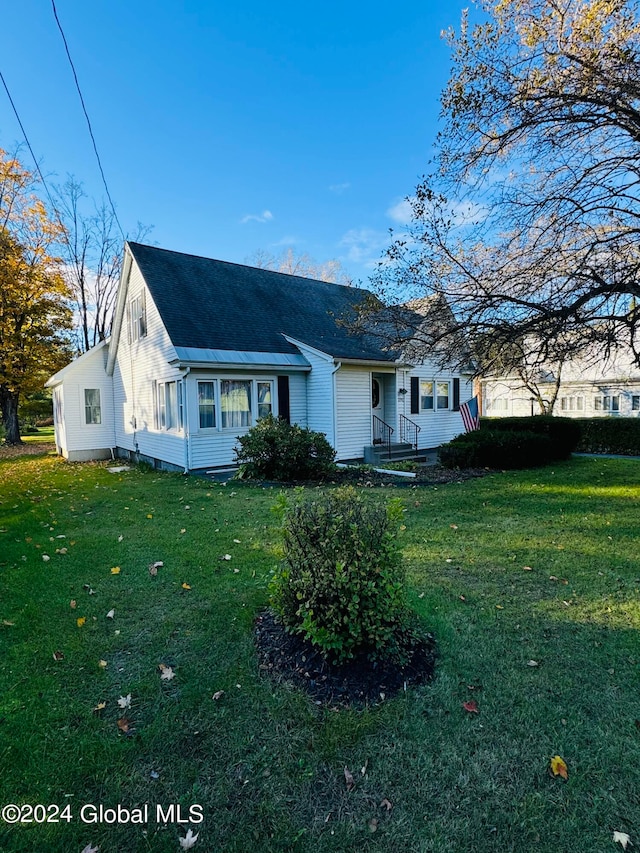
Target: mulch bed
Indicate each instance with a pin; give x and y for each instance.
(290, 658)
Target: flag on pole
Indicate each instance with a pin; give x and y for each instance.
(470, 415)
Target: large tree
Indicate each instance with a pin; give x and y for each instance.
(529, 222)
(34, 309)
(92, 253)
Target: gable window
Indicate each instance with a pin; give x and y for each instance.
(442, 391)
(426, 395)
(137, 318)
(235, 403)
(265, 399)
(206, 405)
(92, 411)
(168, 405)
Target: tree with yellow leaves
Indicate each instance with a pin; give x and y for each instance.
(34, 310)
(529, 224)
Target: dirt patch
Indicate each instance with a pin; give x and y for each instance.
(290, 658)
(30, 448)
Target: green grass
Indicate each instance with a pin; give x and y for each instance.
(266, 764)
(44, 434)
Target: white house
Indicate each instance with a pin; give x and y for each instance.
(590, 387)
(201, 349)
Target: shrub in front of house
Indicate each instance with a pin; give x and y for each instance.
(276, 450)
(342, 584)
(501, 449)
(564, 433)
(609, 435)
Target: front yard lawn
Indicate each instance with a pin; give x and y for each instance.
(529, 581)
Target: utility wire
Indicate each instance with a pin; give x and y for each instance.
(26, 139)
(86, 115)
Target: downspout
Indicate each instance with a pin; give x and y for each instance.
(335, 404)
(185, 426)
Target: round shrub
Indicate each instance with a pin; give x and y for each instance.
(342, 584)
(276, 450)
(502, 449)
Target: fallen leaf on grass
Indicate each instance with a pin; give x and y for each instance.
(120, 538)
(73, 604)
(471, 706)
(46, 558)
(99, 707)
(167, 672)
(111, 614)
(90, 849)
(149, 515)
(348, 778)
(124, 725)
(527, 569)
(186, 586)
(558, 767)
(363, 769)
(58, 656)
(102, 664)
(189, 840)
(7, 623)
(237, 541)
(125, 701)
(453, 526)
(115, 570)
(373, 824)
(80, 621)
(153, 567)
(225, 557)
(622, 838)
(218, 695)
(88, 588)
(533, 663)
(385, 804)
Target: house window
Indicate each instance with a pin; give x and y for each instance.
(607, 403)
(168, 405)
(235, 403)
(426, 395)
(207, 405)
(635, 402)
(265, 399)
(442, 392)
(572, 404)
(137, 318)
(500, 404)
(92, 412)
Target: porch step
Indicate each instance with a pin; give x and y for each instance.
(377, 454)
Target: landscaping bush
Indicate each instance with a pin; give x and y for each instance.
(342, 584)
(503, 449)
(564, 433)
(609, 435)
(276, 450)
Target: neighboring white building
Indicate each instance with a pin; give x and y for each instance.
(201, 349)
(588, 388)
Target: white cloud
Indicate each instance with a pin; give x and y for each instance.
(401, 211)
(288, 240)
(365, 245)
(265, 216)
(338, 189)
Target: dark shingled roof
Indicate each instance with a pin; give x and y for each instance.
(212, 304)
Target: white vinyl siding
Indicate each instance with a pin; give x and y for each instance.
(437, 425)
(354, 416)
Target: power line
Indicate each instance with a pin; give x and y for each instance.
(86, 115)
(26, 139)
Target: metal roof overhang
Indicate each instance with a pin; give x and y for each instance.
(196, 357)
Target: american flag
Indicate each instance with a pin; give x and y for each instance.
(470, 415)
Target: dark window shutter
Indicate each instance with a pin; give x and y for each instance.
(415, 391)
(284, 411)
(456, 395)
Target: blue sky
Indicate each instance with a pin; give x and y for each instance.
(232, 128)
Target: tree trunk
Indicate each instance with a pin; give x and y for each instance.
(9, 407)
